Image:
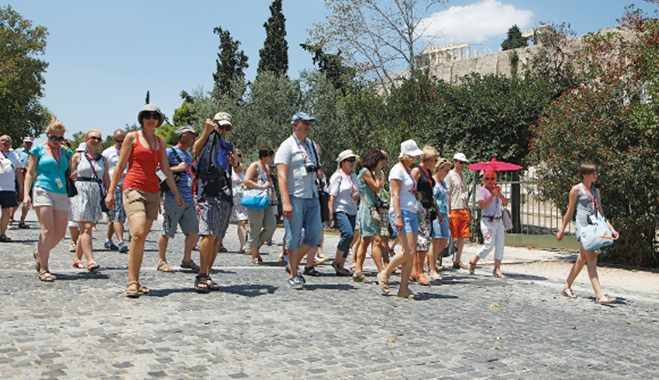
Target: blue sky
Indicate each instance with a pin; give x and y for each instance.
(105, 55)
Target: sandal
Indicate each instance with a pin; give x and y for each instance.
(257, 261)
(212, 285)
(497, 273)
(37, 262)
(569, 293)
(222, 249)
(5, 239)
(436, 277)
(201, 284)
(340, 271)
(244, 251)
(195, 248)
(472, 268)
(93, 266)
(384, 283)
(46, 276)
(143, 289)
(79, 265)
(358, 277)
(423, 280)
(23, 226)
(407, 294)
(190, 265)
(164, 267)
(133, 289)
(311, 271)
(605, 299)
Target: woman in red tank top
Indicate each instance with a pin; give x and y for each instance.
(143, 151)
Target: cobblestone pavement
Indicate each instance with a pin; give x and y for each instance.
(469, 327)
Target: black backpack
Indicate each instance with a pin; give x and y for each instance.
(215, 180)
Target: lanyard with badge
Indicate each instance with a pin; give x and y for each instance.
(58, 162)
(592, 218)
(306, 157)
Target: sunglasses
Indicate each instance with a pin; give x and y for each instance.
(5, 140)
(119, 141)
(351, 160)
(225, 127)
(151, 115)
(56, 139)
(95, 138)
(490, 179)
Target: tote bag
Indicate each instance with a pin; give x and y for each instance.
(256, 199)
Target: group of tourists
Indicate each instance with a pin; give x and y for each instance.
(426, 204)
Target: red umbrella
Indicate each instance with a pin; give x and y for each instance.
(495, 165)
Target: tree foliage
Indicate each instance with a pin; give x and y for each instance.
(515, 39)
(378, 38)
(21, 76)
(611, 122)
(274, 55)
(331, 65)
(230, 65)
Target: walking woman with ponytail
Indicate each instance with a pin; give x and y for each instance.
(587, 200)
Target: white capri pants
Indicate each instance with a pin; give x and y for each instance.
(494, 236)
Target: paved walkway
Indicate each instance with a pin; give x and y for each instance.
(467, 327)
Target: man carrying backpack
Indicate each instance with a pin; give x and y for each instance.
(215, 161)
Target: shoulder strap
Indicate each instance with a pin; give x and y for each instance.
(174, 149)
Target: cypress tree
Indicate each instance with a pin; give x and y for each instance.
(230, 64)
(274, 55)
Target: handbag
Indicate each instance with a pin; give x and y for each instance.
(104, 208)
(71, 190)
(323, 198)
(375, 214)
(256, 199)
(507, 219)
(596, 235)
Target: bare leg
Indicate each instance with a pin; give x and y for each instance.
(53, 228)
(140, 227)
(4, 220)
(190, 241)
(242, 234)
(576, 268)
(460, 243)
(295, 256)
(206, 254)
(108, 235)
(384, 250)
(438, 246)
(118, 231)
(85, 242)
(405, 258)
(163, 241)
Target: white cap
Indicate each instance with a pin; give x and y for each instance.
(460, 157)
(410, 148)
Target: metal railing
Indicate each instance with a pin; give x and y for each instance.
(534, 216)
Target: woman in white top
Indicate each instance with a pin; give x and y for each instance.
(490, 200)
(344, 198)
(239, 212)
(403, 217)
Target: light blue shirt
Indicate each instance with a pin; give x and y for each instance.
(48, 171)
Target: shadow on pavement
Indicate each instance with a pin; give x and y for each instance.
(525, 277)
(329, 287)
(249, 290)
(81, 276)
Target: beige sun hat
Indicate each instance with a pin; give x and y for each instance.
(151, 108)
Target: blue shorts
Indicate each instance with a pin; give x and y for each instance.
(306, 214)
(410, 221)
(440, 230)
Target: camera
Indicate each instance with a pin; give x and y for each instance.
(312, 168)
(378, 204)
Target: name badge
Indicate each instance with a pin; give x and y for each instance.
(592, 219)
(161, 175)
(59, 183)
(189, 181)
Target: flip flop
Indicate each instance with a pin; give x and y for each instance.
(79, 265)
(93, 266)
(384, 283)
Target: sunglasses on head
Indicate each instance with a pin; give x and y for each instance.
(55, 138)
(151, 115)
(95, 138)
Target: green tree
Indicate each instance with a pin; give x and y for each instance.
(515, 39)
(274, 55)
(147, 99)
(21, 76)
(611, 122)
(331, 65)
(183, 115)
(230, 65)
(167, 132)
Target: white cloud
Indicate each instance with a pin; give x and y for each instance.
(475, 23)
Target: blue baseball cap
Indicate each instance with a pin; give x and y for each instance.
(302, 116)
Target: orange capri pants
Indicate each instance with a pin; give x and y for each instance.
(459, 222)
